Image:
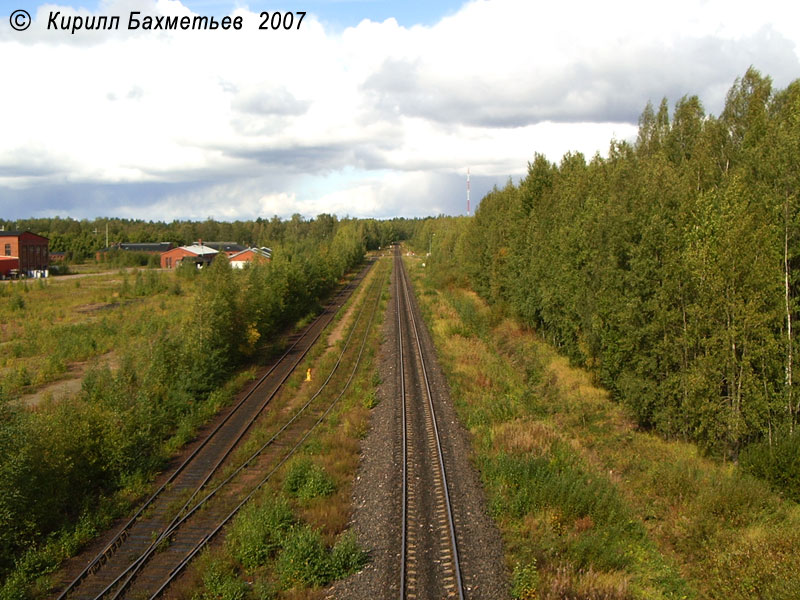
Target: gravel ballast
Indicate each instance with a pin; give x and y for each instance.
(377, 492)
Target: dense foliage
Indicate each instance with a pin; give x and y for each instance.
(60, 460)
(670, 267)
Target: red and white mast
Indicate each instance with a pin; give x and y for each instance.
(467, 191)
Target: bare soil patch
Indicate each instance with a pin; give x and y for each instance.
(71, 385)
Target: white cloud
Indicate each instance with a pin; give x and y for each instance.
(239, 122)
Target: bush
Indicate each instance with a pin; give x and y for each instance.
(259, 531)
(305, 480)
(347, 557)
(533, 485)
(221, 583)
(59, 269)
(304, 559)
(778, 464)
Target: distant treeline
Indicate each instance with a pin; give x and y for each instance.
(670, 268)
(81, 239)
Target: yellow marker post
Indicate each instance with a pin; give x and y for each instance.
(308, 375)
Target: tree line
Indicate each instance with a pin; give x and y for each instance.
(80, 239)
(670, 268)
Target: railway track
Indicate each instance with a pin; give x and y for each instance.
(192, 506)
(430, 565)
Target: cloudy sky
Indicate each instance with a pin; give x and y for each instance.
(372, 108)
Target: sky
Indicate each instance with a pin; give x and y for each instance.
(371, 108)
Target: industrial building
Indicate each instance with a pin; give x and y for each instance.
(240, 259)
(200, 255)
(145, 248)
(32, 252)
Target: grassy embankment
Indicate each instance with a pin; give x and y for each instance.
(292, 539)
(589, 507)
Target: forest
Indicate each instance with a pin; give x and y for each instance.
(670, 268)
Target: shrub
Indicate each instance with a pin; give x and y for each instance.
(221, 583)
(17, 302)
(347, 557)
(304, 559)
(306, 480)
(534, 484)
(779, 464)
(259, 531)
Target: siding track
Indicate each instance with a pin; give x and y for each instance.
(191, 507)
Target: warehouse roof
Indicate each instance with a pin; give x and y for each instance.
(225, 246)
(140, 247)
(199, 250)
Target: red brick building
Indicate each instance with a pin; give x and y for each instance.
(199, 255)
(32, 250)
(240, 259)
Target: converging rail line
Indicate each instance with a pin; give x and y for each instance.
(429, 564)
(151, 539)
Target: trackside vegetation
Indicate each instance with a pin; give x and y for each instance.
(591, 506)
(168, 350)
(669, 269)
(292, 539)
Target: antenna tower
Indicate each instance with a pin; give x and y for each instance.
(467, 191)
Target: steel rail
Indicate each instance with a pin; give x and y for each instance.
(448, 504)
(206, 539)
(132, 570)
(404, 521)
(119, 536)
